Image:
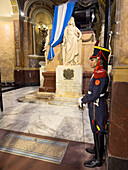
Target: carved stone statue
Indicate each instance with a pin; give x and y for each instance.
(71, 46)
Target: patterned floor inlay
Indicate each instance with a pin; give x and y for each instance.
(42, 149)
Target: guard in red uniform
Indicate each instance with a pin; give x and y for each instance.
(97, 104)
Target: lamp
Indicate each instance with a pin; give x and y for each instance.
(22, 14)
(43, 31)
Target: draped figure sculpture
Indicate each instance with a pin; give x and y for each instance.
(71, 46)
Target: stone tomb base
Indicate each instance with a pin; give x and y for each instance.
(69, 81)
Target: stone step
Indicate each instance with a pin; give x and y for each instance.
(62, 103)
(69, 99)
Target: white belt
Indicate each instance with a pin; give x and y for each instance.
(101, 95)
(89, 92)
(97, 100)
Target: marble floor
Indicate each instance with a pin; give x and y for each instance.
(58, 120)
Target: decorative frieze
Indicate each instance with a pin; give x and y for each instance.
(15, 7)
(17, 41)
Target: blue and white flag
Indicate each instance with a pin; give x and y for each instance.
(62, 15)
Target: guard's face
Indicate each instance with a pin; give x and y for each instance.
(93, 62)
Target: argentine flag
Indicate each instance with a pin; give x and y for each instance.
(62, 15)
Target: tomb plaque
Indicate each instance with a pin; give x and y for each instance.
(69, 81)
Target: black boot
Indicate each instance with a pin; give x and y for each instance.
(91, 150)
(96, 161)
(93, 163)
(101, 145)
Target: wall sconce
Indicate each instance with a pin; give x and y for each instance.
(22, 14)
(43, 31)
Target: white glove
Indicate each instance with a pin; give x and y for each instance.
(80, 101)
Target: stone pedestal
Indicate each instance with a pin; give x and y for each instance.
(49, 84)
(69, 81)
(42, 69)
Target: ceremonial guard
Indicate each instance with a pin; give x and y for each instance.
(96, 99)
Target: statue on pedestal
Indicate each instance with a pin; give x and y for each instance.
(71, 46)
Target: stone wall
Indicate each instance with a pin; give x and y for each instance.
(121, 34)
(7, 51)
(88, 38)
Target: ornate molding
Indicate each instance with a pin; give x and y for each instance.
(15, 6)
(29, 3)
(89, 39)
(17, 42)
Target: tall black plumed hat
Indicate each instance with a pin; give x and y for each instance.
(101, 52)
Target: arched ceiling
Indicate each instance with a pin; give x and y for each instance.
(55, 2)
(6, 6)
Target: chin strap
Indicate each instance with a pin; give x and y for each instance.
(99, 56)
(97, 59)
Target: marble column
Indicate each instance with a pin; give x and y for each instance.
(17, 42)
(118, 128)
(34, 40)
(101, 38)
(25, 45)
(30, 32)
